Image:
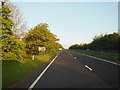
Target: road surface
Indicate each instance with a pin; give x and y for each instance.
(73, 70)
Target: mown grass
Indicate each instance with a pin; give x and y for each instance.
(108, 51)
(100, 55)
(13, 71)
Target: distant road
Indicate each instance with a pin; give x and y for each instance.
(74, 70)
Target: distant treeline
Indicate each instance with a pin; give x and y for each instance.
(101, 42)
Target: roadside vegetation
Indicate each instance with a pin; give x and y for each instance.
(15, 71)
(18, 44)
(113, 58)
(108, 43)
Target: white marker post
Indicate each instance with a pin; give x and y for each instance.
(33, 57)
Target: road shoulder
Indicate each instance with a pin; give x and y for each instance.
(27, 80)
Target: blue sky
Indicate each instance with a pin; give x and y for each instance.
(72, 22)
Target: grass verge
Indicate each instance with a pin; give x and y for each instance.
(13, 71)
(100, 55)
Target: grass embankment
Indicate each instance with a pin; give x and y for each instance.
(107, 51)
(13, 71)
(100, 55)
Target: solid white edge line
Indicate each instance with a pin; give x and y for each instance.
(88, 67)
(99, 59)
(34, 83)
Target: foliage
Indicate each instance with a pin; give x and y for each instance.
(14, 48)
(15, 71)
(11, 48)
(100, 55)
(75, 46)
(20, 26)
(106, 42)
(101, 42)
(39, 36)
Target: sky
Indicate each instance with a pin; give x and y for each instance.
(72, 22)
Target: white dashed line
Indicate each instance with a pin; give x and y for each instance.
(88, 67)
(74, 57)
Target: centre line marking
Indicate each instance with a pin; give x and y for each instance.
(38, 78)
(88, 67)
(74, 57)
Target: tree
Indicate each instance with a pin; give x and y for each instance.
(101, 42)
(106, 42)
(75, 46)
(20, 25)
(11, 48)
(39, 36)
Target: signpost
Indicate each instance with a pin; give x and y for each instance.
(39, 49)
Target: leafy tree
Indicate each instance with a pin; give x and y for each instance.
(106, 42)
(101, 42)
(40, 35)
(20, 25)
(75, 46)
(11, 48)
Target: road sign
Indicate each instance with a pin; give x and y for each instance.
(41, 48)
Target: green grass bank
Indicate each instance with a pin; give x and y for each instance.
(13, 71)
(100, 55)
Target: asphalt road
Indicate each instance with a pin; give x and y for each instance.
(72, 70)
